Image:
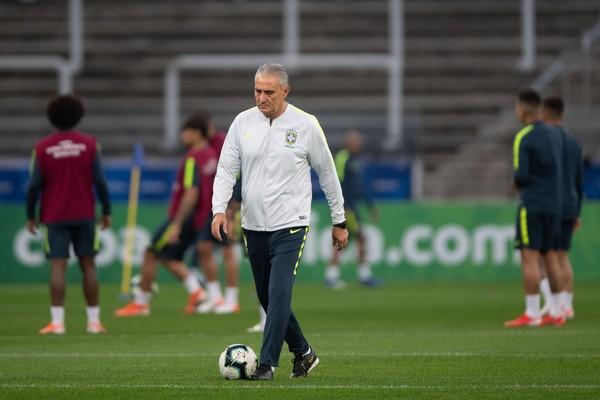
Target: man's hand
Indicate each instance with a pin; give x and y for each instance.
(219, 223)
(32, 226)
(174, 232)
(340, 237)
(577, 225)
(105, 222)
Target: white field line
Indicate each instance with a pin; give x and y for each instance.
(261, 386)
(324, 354)
(339, 334)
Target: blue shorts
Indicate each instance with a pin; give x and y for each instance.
(537, 231)
(205, 234)
(83, 235)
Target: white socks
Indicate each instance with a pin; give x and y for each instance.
(568, 300)
(57, 313)
(532, 305)
(263, 315)
(93, 315)
(364, 272)
(545, 291)
(555, 309)
(332, 272)
(231, 295)
(191, 283)
(214, 290)
(141, 297)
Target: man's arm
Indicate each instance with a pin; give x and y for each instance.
(579, 181)
(227, 172)
(191, 184)
(33, 192)
(521, 158)
(102, 190)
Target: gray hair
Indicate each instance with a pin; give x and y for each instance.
(274, 69)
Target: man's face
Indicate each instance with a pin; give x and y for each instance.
(189, 137)
(270, 95)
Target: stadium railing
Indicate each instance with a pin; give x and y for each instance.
(393, 62)
(66, 69)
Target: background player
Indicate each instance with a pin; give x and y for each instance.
(552, 113)
(189, 209)
(537, 158)
(350, 172)
(215, 301)
(65, 168)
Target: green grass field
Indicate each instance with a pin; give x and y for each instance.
(408, 340)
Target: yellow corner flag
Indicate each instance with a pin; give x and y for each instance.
(132, 207)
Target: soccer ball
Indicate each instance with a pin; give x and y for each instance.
(237, 361)
(135, 285)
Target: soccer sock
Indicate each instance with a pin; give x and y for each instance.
(57, 314)
(191, 283)
(555, 306)
(545, 291)
(263, 315)
(332, 273)
(141, 297)
(532, 305)
(364, 272)
(231, 295)
(563, 296)
(214, 290)
(93, 315)
(569, 300)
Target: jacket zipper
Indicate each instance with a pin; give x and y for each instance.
(267, 225)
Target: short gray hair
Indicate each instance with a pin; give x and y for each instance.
(274, 69)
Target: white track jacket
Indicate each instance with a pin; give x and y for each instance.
(275, 159)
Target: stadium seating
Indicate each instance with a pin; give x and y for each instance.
(457, 85)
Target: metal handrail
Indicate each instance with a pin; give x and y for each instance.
(65, 69)
(393, 62)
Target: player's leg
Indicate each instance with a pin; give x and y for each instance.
(140, 305)
(56, 247)
(195, 292)
(528, 240)
(285, 250)
(545, 290)
(365, 275)
(550, 248)
(567, 230)
(552, 263)
(232, 272)
(86, 244)
(206, 258)
(260, 325)
(257, 248)
(567, 274)
(332, 272)
(173, 255)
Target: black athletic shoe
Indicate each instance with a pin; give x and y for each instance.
(263, 373)
(304, 364)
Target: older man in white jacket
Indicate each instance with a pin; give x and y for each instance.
(274, 145)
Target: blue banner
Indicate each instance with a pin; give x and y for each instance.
(385, 180)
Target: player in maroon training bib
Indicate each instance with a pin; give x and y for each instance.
(65, 168)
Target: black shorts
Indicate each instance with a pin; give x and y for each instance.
(537, 231)
(83, 235)
(566, 233)
(205, 234)
(161, 247)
